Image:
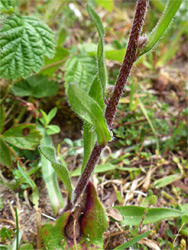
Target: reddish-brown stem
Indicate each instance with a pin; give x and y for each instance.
(129, 59)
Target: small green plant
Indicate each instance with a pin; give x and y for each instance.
(83, 220)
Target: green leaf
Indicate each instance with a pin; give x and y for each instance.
(132, 241)
(89, 134)
(50, 177)
(89, 139)
(24, 42)
(5, 156)
(132, 215)
(80, 69)
(52, 129)
(107, 4)
(165, 20)
(7, 6)
(52, 65)
(35, 192)
(35, 86)
(115, 55)
(52, 114)
(167, 180)
(104, 168)
(102, 72)
(2, 118)
(89, 111)
(44, 120)
(26, 247)
(61, 170)
(23, 136)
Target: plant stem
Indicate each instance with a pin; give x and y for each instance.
(130, 58)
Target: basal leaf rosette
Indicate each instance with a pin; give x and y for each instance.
(24, 41)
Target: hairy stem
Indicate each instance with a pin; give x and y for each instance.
(130, 58)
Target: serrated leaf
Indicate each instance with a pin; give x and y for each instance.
(102, 72)
(24, 41)
(107, 4)
(62, 172)
(132, 215)
(80, 69)
(88, 109)
(52, 65)
(7, 6)
(5, 156)
(23, 136)
(2, 118)
(165, 20)
(132, 241)
(35, 86)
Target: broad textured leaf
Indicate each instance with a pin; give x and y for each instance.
(23, 136)
(80, 69)
(61, 170)
(5, 156)
(7, 6)
(26, 247)
(132, 215)
(89, 133)
(107, 4)
(50, 177)
(2, 118)
(165, 20)
(24, 41)
(52, 65)
(88, 109)
(36, 86)
(102, 72)
(132, 241)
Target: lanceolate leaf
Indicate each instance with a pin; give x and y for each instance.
(50, 177)
(24, 41)
(132, 215)
(62, 172)
(88, 109)
(132, 241)
(5, 156)
(168, 14)
(23, 136)
(100, 50)
(89, 133)
(89, 139)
